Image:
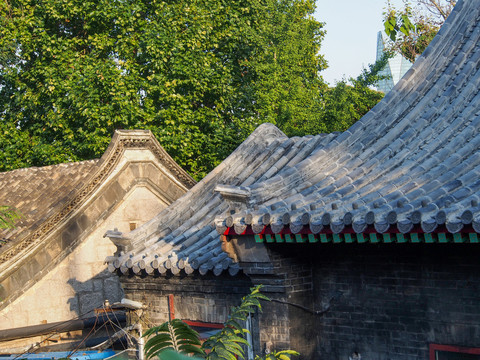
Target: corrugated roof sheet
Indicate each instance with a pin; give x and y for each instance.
(411, 161)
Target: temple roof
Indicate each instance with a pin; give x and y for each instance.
(410, 164)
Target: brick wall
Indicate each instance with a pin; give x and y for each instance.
(298, 286)
(198, 298)
(385, 301)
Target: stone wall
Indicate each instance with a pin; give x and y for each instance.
(385, 301)
(288, 283)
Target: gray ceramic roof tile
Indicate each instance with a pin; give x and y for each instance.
(412, 159)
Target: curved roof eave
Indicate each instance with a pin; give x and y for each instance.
(411, 160)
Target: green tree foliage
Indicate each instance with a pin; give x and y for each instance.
(340, 106)
(201, 74)
(413, 27)
(228, 344)
(287, 69)
(168, 354)
(345, 104)
(372, 75)
(278, 355)
(8, 217)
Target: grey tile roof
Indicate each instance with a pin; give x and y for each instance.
(46, 196)
(38, 192)
(183, 236)
(412, 162)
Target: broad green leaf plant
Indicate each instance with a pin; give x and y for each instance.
(278, 355)
(175, 335)
(174, 339)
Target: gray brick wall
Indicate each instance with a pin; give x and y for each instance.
(385, 301)
(198, 298)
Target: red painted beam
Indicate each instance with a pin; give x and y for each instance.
(203, 324)
(452, 348)
(171, 307)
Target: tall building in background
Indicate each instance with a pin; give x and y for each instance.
(396, 68)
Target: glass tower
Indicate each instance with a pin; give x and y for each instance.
(395, 69)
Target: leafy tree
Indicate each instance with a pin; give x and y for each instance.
(201, 74)
(345, 104)
(412, 28)
(276, 355)
(340, 106)
(227, 344)
(372, 75)
(287, 81)
(439, 10)
(8, 217)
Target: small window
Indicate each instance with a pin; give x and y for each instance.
(449, 352)
(133, 226)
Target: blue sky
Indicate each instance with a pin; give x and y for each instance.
(350, 42)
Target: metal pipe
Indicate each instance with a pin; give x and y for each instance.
(141, 343)
(62, 326)
(249, 327)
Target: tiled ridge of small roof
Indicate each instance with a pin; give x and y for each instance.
(412, 160)
(36, 192)
(183, 237)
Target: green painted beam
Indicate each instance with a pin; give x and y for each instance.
(442, 238)
(473, 237)
(429, 238)
(457, 238)
(361, 239)
(300, 239)
(414, 238)
(337, 238)
(387, 238)
(348, 238)
(324, 238)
